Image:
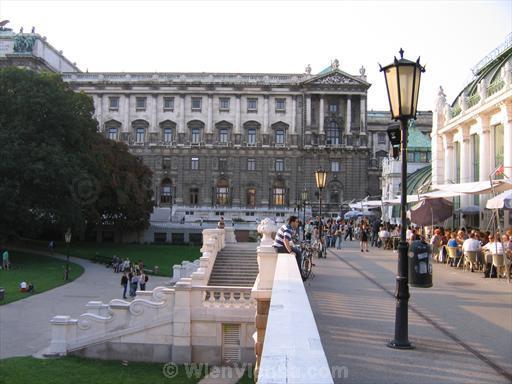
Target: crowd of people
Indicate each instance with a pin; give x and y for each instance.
(133, 277)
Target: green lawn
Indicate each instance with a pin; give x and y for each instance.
(23, 370)
(43, 271)
(162, 255)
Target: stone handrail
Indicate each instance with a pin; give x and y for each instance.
(185, 269)
(292, 352)
(213, 242)
(102, 321)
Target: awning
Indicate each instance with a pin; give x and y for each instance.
(366, 204)
(503, 200)
(453, 190)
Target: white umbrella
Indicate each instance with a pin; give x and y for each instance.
(503, 200)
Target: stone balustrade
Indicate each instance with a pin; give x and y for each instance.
(292, 352)
(185, 269)
(227, 297)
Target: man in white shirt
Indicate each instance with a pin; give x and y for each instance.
(471, 244)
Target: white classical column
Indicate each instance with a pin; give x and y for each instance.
(465, 164)
(127, 113)
(99, 108)
(485, 140)
(506, 111)
(153, 115)
(449, 160)
(209, 127)
(294, 115)
(363, 114)
(348, 119)
(321, 117)
(182, 114)
(265, 114)
(308, 111)
(238, 113)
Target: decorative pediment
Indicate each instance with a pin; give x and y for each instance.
(336, 77)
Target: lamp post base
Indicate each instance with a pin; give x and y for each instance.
(400, 345)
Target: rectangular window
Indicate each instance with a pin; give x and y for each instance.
(167, 135)
(224, 104)
(140, 103)
(112, 133)
(252, 104)
(166, 163)
(499, 148)
(223, 165)
(280, 137)
(139, 135)
(279, 165)
(113, 103)
(410, 157)
(335, 166)
(251, 164)
(476, 157)
(223, 135)
(195, 163)
(196, 104)
(194, 196)
(382, 137)
(196, 135)
(168, 103)
(333, 108)
(251, 136)
(280, 105)
(160, 237)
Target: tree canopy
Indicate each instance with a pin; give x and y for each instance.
(56, 170)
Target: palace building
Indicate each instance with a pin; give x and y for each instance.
(242, 145)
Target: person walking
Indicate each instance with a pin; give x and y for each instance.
(124, 283)
(133, 285)
(364, 238)
(5, 260)
(143, 278)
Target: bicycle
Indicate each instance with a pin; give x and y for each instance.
(307, 260)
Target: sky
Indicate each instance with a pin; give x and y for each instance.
(273, 36)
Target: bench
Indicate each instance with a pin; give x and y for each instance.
(102, 259)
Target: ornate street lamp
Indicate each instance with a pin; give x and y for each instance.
(320, 177)
(403, 85)
(304, 197)
(67, 238)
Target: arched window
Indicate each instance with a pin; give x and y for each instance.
(250, 200)
(279, 194)
(196, 128)
(168, 131)
(222, 192)
(333, 134)
(140, 128)
(112, 129)
(166, 192)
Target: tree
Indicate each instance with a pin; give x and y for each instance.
(54, 164)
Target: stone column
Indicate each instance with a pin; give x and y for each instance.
(209, 124)
(181, 345)
(127, 119)
(308, 112)
(321, 116)
(262, 290)
(265, 114)
(506, 111)
(363, 114)
(484, 137)
(154, 115)
(238, 128)
(449, 163)
(99, 109)
(348, 118)
(294, 115)
(182, 126)
(465, 164)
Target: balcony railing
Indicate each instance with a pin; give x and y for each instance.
(473, 100)
(495, 86)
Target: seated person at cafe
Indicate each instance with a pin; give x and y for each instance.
(472, 244)
(454, 243)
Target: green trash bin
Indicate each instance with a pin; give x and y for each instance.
(420, 264)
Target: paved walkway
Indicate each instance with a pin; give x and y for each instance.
(25, 324)
(461, 327)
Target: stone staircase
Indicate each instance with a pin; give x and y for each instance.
(236, 265)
